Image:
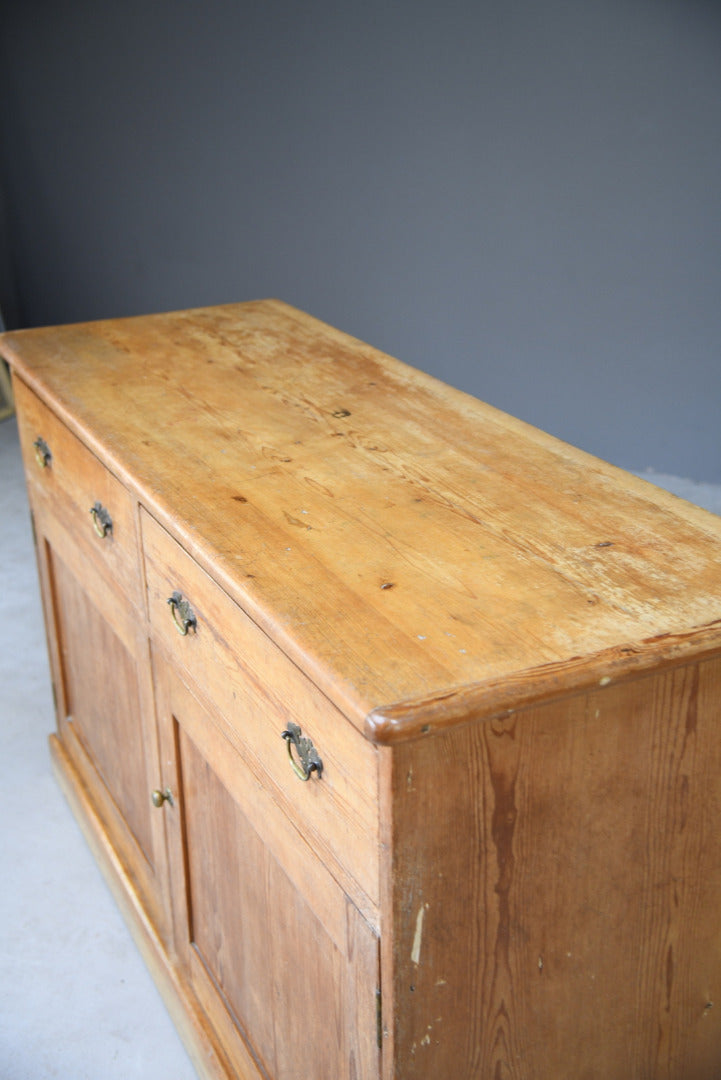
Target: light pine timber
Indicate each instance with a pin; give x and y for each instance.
(507, 652)
(259, 918)
(256, 692)
(102, 687)
(554, 883)
(73, 482)
(502, 549)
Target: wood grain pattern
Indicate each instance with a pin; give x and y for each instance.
(507, 653)
(74, 481)
(257, 692)
(103, 701)
(500, 697)
(263, 929)
(103, 693)
(394, 536)
(575, 931)
(201, 1042)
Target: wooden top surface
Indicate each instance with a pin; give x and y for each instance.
(420, 554)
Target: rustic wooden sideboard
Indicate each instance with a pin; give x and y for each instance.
(393, 722)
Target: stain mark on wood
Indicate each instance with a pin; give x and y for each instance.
(296, 521)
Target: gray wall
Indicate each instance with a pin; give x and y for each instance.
(520, 196)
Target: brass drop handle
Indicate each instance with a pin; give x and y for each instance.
(102, 522)
(183, 614)
(309, 759)
(159, 797)
(42, 453)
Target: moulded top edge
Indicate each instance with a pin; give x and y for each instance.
(404, 721)
(401, 541)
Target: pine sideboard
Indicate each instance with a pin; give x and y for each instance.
(393, 722)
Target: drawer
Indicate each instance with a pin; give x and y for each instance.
(62, 470)
(256, 693)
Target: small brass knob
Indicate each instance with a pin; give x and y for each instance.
(159, 797)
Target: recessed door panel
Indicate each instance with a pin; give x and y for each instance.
(99, 659)
(102, 699)
(272, 942)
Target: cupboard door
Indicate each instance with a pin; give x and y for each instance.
(103, 694)
(283, 963)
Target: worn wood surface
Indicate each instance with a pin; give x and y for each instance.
(257, 692)
(202, 1043)
(395, 536)
(506, 652)
(555, 887)
(274, 949)
(98, 650)
(74, 481)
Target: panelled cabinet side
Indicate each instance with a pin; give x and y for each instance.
(552, 880)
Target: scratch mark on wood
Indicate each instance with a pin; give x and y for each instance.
(417, 937)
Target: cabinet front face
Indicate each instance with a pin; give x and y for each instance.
(283, 963)
(87, 546)
(104, 702)
(258, 693)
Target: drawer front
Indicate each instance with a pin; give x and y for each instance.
(61, 469)
(256, 694)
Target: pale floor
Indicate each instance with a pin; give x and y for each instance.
(76, 1002)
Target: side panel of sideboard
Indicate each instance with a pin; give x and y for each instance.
(554, 889)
